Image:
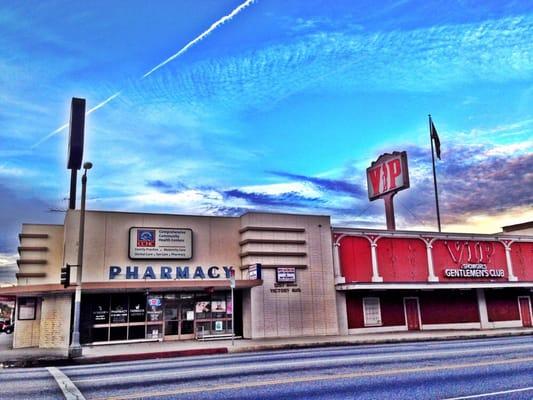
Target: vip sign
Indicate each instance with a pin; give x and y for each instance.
(388, 174)
(470, 251)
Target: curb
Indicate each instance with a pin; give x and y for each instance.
(63, 361)
(363, 342)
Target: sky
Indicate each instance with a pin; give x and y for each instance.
(218, 107)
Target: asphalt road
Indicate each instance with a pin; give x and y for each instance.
(497, 368)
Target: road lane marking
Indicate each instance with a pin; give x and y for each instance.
(477, 396)
(68, 388)
(315, 378)
(328, 349)
(305, 363)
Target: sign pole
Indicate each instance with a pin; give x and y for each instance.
(434, 177)
(389, 212)
(232, 319)
(232, 286)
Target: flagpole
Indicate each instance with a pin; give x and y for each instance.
(434, 175)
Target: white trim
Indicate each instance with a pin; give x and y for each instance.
(380, 322)
(378, 329)
(482, 308)
(520, 310)
(437, 235)
(429, 254)
(507, 324)
(462, 325)
(418, 309)
(463, 285)
(375, 269)
(510, 274)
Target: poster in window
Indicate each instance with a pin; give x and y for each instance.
(219, 326)
(202, 307)
(100, 314)
(137, 311)
(119, 314)
(27, 308)
(218, 306)
(155, 308)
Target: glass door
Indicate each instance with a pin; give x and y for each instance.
(171, 317)
(187, 319)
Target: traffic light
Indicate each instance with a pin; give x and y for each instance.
(65, 276)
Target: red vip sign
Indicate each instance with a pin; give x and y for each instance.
(470, 251)
(388, 174)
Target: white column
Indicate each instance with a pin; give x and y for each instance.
(482, 307)
(431, 270)
(337, 264)
(512, 277)
(375, 271)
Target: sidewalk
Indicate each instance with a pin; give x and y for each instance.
(152, 350)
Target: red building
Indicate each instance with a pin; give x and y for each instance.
(394, 280)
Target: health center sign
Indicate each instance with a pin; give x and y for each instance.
(160, 243)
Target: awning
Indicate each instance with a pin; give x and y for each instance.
(133, 286)
(429, 286)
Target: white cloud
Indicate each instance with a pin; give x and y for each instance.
(304, 189)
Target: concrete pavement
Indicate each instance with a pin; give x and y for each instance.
(151, 350)
(452, 370)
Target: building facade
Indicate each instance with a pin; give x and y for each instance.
(154, 277)
(167, 277)
(399, 281)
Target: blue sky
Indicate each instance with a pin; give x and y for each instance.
(279, 108)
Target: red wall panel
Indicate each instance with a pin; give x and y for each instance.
(356, 259)
(392, 312)
(449, 307)
(454, 253)
(354, 309)
(522, 259)
(391, 305)
(402, 260)
(502, 305)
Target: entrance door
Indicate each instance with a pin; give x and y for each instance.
(187, 319)
(525, 310)
(412, 315)
(172, 318)
(179, 318)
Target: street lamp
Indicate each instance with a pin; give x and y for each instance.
(75, 347)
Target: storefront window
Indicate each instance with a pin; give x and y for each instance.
(155, 308)
(154, 331)
(137, 316)
(119, 309)
(137, 307)
(100, 309)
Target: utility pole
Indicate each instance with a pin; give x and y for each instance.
(75, 347)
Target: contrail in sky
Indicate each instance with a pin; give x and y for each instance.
(65, 126)
(183, 50)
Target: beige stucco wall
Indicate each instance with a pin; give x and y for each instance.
(309, 312)
(308, 308)
(215, 241)
(27, 332)
(53, 255)
(55, 321)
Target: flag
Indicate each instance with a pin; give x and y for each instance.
(435, 138)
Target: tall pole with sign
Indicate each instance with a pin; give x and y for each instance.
(385, 177)
(232, 286)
